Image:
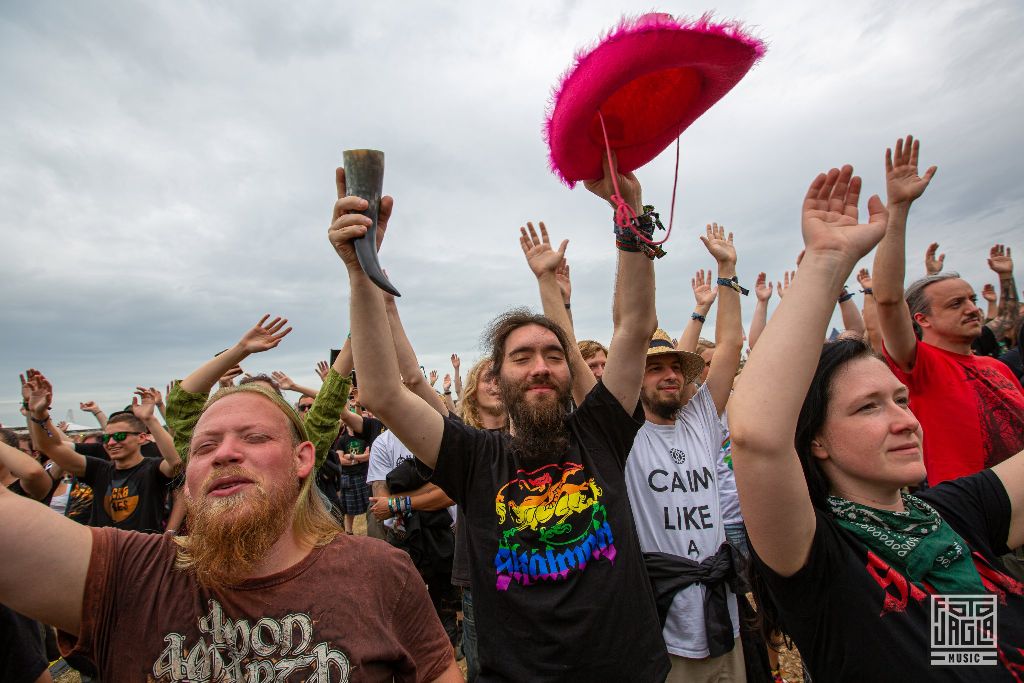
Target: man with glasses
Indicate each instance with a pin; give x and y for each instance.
(129, 489)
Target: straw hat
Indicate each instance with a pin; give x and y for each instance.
(661, 344)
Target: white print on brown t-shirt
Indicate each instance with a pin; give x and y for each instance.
(269, 650)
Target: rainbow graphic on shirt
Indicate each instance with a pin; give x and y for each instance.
(552, 523)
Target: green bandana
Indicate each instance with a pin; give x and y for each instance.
(918, 543)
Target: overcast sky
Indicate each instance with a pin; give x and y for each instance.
(166, 169)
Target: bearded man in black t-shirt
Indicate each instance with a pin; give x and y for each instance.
(556, 567)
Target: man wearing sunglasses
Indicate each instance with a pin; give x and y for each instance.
(129, 489)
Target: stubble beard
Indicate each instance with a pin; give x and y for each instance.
(540, 432)
(666, 409)
(228, 537)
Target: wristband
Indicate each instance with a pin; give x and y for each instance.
(567, 306)
(408, 504)
(391, 505)
(629, 238)
(41, 423)
(448, 393)
(867, 290)
(845, 296)
(698, 316)
(733, 284)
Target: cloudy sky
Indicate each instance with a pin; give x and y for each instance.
(166, 169)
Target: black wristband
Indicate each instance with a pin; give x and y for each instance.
(567, 306)
(868, 290)
(697, 316)
(845, 296)
(42, 422)
(734, 283)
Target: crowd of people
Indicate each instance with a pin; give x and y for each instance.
(649, 509)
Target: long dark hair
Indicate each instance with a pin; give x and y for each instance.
(834, 355)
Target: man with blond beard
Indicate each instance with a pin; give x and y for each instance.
(264, 587)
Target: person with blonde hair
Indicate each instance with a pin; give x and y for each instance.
(264, 582)
(481, 406)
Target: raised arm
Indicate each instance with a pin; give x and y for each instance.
(457, 374)
(1000, 260)
(769, 396)
(44, 434)
(265, 335)
(34, 479)
(704, 296)
(933, 264)
(544, 262)
(287, 384)
(988, 293)
(1011, 473)
(633, 312)
(763, 292)
(446, 384)
(413, 421)
(728, 322)
(97, 412)
(903, 186)
(408, 364)
(852, 319)
(869, 313)
(144, 408)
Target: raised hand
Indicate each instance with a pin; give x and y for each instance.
(283, 380)
(703, 293)
(933, 265)
(433, 377)
(158, 397)
(63, 426)
(347, 226)
(718, 244)
(264, 335)
(89, 407)
(629, 186)
(538, 252)
(456, 363)
(144, 403)
(1000, 260)
(322, 368)
(864, 278)
(446, 383)
(988, 293)
(562, 278)
(40, 393)
(787, 281)
(228, 378)
(830, 216)
(902, 183)
(763, 288)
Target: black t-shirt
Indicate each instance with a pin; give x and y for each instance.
(22, 652)
(854, 618)
(559, 586)
(131, 499)
(357, 443)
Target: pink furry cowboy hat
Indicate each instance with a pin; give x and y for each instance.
(650, 78)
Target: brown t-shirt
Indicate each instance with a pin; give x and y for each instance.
(354, 610)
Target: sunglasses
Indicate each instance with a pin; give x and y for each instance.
(305, 407)
(117, 436)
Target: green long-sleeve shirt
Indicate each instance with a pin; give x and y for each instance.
(322, 420)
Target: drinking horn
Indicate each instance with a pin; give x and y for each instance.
(364, 177)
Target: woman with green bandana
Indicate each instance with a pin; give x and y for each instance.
(860, 574)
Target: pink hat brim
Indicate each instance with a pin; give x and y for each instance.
(650, 77)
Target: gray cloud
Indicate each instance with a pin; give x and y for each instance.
(166, 175)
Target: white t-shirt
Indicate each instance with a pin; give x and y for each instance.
(673, 489)
(385, 454)
(727, 480)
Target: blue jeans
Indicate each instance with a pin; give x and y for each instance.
(469, 637)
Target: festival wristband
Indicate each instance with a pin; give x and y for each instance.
(845, 296)
(698, 316)
(868, 290)
(733, 283)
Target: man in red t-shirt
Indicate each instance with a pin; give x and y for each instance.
(971, 407)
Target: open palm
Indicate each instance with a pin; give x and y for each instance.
(830, 216)
(537, 249)
(902, 183)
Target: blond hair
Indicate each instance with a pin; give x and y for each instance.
(468, 404)
(589, 348)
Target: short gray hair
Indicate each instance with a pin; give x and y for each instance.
(917, 302)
